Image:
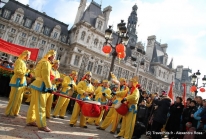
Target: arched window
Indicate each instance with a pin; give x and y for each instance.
(96, 42)
(99, 26)
(83, 35)
(159, 72)
(88, 39)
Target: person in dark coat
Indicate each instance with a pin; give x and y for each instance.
(143, 95)
(193, 109)
(160, 114)
(173, 123)
(142, 112)
(186, 114)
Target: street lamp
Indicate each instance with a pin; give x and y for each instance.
(119, 49)
(195, 78)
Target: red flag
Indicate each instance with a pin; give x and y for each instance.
(16, 50)
(184, 94)
(170, 94)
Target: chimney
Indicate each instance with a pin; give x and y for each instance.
(106, 13)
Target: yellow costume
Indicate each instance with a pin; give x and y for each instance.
(41, 85)
(113, 117)
(84, 88)
(49, 96)
(102, 99)
(128, 121)
(62, 103)
(17, 83)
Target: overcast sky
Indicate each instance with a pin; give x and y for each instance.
(179, 23)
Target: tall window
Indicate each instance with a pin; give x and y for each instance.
(83, 35)
(99, 26)
(99, 69)
(119, 72)
(4, 56)
(46, 31)
(13, 30)
(6, 14)
(37, 27)
(159, 72)
(88, 39)
(33, 38)
(10, 39)
(55, 35)
(59, 57)
(21, 42)
(27, 23)
(43, 42)
(63, 38)
(17, 18)
(52, 46)
(76, 60)
(96, 42)
(90, 66)
(2, 26)
(126, 74)
(23, 34)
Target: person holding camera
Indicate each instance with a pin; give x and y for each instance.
(68, 87)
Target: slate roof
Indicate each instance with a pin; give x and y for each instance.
(33, 14)
(91, 13)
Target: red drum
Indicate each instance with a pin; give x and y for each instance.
(91, 109)
(121, 108)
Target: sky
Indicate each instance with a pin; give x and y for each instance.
(179, 23)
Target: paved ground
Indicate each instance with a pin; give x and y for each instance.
(14, 128)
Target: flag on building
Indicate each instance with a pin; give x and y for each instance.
(170, 93)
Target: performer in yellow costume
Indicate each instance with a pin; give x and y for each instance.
(84, 89)
(49, 100)
(68, 87)
(113, 117)
(17, 83)
(102, 94)
(128, 121)
(36, 115)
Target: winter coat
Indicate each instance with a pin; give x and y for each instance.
(174, 120)
(198, 117)
(160, 114)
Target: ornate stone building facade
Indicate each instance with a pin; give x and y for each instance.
(80, 48)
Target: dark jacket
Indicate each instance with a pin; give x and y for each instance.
(173, 123)
(160, 114)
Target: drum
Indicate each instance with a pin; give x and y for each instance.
(121, 108)
(91, 109)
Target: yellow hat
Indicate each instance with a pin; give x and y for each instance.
(134, 80)
(113, 76)
(105, 81)
(50, 53)
(74, 72)
(56, 62)
(95, 81)
(24, 53)
(122, 79)
(89, 73)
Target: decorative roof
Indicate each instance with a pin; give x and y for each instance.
(33, 14)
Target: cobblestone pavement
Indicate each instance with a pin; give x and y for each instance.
(15, 128)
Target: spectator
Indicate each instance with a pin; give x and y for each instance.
(160, 114)
(11, 64)
(198, 114)
(193, 109)
(142, 96)
(173, 123)
(186, 114)
(142, 112)
(6, 64)
(199, 102)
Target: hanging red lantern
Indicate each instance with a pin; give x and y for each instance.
(120, 48)
(107, 49)
(202, 89)
(193, 88)
(121, 55)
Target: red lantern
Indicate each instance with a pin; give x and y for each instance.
(120, 48)
(107, 49)
(121, 55)
(193, 88)
(202, 89)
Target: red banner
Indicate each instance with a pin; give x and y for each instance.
(184, 94)
(170, 94)
(16, 50)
